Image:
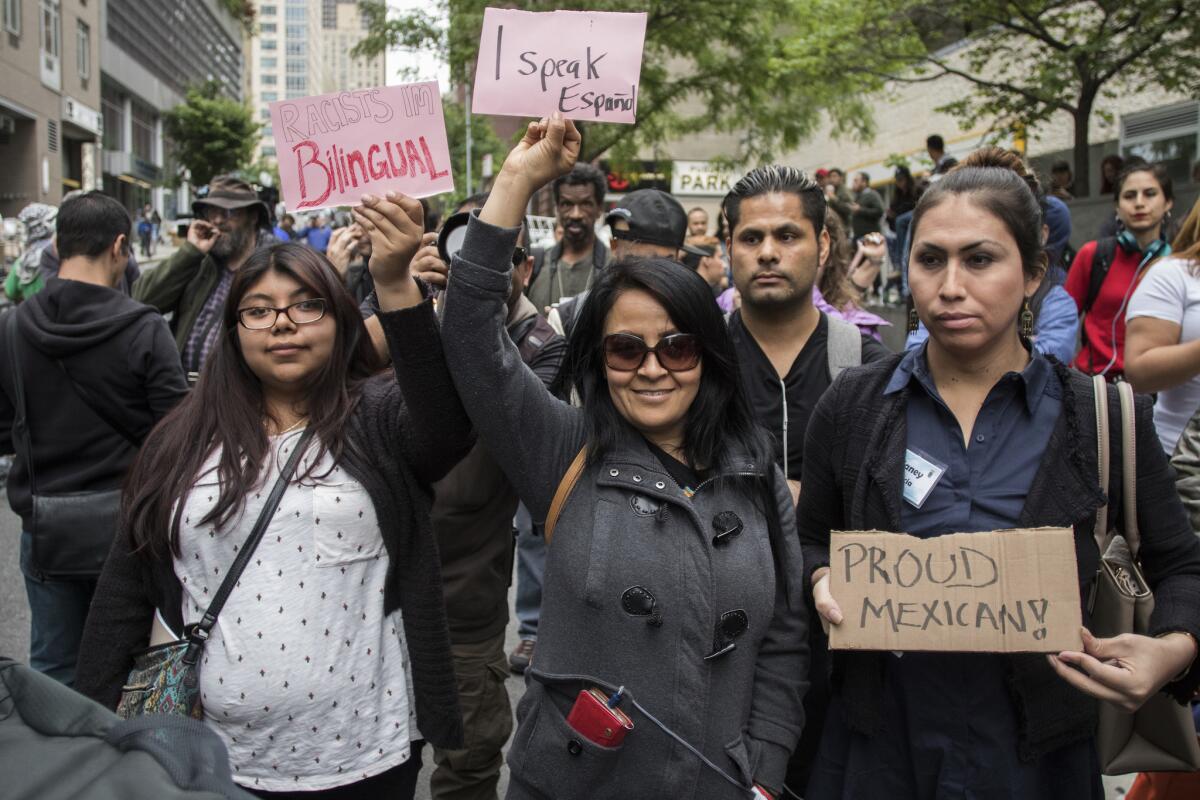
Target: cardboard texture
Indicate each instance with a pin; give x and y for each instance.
(586, 64)
(334, 148)
(1009, 591)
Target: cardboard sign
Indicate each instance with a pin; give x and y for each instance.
(586, 64)
(1008, 591)
(334, 148)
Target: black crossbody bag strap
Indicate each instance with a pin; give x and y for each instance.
(200, 632)
(20, 429)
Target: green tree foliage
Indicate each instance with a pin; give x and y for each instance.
(212, 133)
(483, 141)
(707, 66)
(1024, 61)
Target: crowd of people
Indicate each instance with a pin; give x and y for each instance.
(312, 457)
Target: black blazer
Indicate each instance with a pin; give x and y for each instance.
(853, 466)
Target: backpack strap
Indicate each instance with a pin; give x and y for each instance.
(1102, 258)
(1129, 468)
(565, 487)
(843, 347)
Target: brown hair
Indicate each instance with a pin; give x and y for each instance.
(1187, 242)
(835, 278)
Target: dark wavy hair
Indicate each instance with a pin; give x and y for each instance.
(226, 409)
(719, 419)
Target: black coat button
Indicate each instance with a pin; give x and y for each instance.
(727, 525)
(637, 601)
(574, 747)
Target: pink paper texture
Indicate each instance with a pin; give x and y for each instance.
(334, 148)
(586, 64)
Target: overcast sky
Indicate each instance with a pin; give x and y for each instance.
(428, 66)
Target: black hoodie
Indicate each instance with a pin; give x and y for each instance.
(123, 355)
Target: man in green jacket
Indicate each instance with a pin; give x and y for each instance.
(192, 285)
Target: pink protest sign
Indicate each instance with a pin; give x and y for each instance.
(585, 64)
(334, 148)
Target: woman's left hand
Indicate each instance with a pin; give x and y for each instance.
(1126, 670)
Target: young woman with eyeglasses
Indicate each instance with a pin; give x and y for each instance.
(674, 570)
(337, 619)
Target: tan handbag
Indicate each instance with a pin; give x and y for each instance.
(1160, 736)
(565, 487)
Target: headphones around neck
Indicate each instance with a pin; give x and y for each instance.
(1128, 243)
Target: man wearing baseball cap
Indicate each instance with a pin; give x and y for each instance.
(647, 223)
(194, 283)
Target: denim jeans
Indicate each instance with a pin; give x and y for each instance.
(531, 566)
(57, 612)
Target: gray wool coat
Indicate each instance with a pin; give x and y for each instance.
(627, 534)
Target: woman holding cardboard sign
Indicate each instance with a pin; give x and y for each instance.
(999, 436)
(674, 572)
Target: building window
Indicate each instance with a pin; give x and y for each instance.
(268, 152)
(268, 11)
(297, 66)
(112, 108)
(12, 16)
(270, 80)
(49, 43)
(295, 14)
(295, 48)
(265, 114)
(143, 132)
(269, 44)
(270, 97)
(1169, 135)
(269, 62)
(267, 27)
(83, 49)
(296, 83)
(297, 32)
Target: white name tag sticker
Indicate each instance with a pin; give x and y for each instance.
(921, 474)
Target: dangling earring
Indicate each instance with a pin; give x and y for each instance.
(914, 322)
(1026, 318)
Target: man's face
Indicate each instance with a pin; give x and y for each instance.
(1061, 178)
(835, 179)
(235, 229)
(698, 223)
(577, 213)
(774, 252)
(858, 184)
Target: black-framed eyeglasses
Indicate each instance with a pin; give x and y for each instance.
(259, 318)
(677, 352)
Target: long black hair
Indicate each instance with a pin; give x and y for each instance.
(719, 421)
(226, 409)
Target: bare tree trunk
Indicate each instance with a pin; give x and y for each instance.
(1082, 116)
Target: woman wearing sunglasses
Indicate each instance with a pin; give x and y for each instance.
(674, 569)
(337, 617)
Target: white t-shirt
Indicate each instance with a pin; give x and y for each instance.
(1169, 291)
(304, 677)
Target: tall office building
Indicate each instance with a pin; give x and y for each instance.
(152, 53)
(303, 48)
(49, 100)
(343, 30)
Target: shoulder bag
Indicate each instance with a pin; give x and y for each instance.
(71, 531)
(1160, 736)
(165, 678)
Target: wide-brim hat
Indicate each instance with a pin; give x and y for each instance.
(229, 192)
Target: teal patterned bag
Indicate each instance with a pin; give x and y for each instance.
(162, 683)
(165, 679)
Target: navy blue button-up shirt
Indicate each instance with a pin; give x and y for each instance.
(984, 486)
(949, 723)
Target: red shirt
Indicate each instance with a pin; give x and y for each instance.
(1118, 286)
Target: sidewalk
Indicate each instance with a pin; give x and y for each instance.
(161, 253)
